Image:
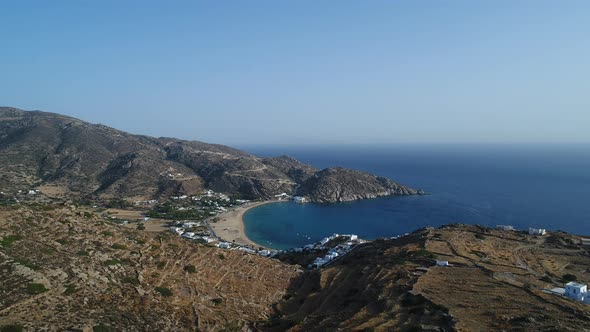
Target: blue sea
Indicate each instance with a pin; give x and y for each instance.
(523, 186)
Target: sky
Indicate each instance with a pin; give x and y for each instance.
(306, 72)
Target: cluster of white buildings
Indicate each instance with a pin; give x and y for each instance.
(183, 229)
(194, 236)
(148, 202)
(283, 196)
(204, 195)
(299, 199)
(337, 251)
(537, 231)
(532, 231)
(296, 199)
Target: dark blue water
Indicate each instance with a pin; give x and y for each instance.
(522, 186)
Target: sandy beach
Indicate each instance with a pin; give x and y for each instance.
(230, 226)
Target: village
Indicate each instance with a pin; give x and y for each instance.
(196, 213)
(207, 206)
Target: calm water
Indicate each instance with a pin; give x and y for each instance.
(522, 186)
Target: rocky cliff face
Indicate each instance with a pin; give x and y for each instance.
(340, 184)
(64, 155)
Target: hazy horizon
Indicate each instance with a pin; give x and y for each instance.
(306, 73)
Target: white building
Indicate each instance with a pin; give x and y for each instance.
(208, 239)
(505, 227)
(442, 263)
(537, 231)
(188, 235)
(248, 250)
(177, 230)
(299, 199)
(354, 237)
(224, 245)
(577, 291)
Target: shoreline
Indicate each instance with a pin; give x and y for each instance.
(230, 226)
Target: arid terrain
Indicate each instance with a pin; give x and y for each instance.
(495, 283)
(62, 267)
(497, 279)
(65, 267)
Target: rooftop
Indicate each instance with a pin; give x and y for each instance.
(575, 284)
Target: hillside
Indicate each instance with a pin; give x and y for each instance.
(64, 268)
(64, 156)
(495, 283)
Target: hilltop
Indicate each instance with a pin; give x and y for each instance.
(66, 157)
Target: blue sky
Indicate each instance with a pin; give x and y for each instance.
(306, 72)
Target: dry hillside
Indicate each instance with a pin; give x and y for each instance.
(63, 268)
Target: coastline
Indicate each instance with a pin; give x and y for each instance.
(230, 225)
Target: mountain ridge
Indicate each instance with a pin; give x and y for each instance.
(67, 156)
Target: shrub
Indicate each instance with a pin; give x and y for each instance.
(102, 328)
(569, 277)
(113, 261)
(117, 204)
(7, 241)
(27, 263)
(140, 227)
(62, 241)
(47, 250)
(12, 328)
(160, 265)
(190, 269)
(35, 289)
(119, 246)
(107, 233)
(217, 301)
(130, 280)
(424, 254)
(70, 289)
(164, 291)
(546, 279)
(82, 253)
(221, 256)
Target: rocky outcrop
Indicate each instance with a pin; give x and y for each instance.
(340, 184)
(88, 160)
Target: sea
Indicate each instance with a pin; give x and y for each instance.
(520, 185)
